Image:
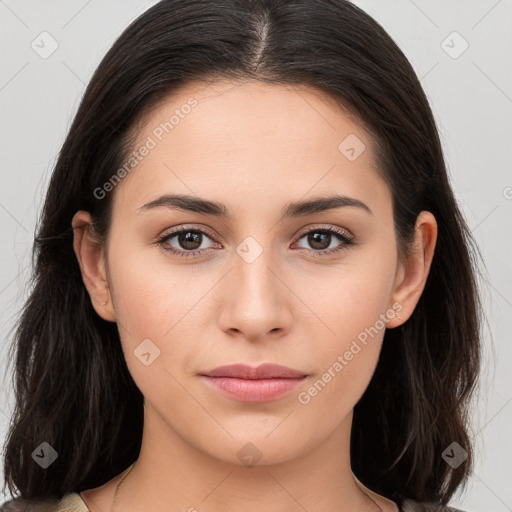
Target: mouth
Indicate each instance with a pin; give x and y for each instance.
(247, 384)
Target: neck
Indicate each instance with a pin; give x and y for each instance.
(169, 471)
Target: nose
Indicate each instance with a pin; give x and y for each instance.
(257, 302)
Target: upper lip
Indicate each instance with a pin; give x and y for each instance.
(263, 371)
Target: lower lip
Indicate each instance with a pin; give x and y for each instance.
(252, 390)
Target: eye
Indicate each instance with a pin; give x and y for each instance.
(189, 241)
(321, 239)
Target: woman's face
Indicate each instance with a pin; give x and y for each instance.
(262, 283)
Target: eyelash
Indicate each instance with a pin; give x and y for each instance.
(347, 241)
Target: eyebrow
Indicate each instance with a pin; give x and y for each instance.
(294, 209)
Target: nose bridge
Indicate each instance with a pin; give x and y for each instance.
(253, 275)
(256, 304)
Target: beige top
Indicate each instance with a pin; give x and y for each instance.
(73, 502)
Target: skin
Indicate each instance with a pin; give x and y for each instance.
(254, 147)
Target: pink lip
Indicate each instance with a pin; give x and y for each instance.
(248, 384)
(263, 371)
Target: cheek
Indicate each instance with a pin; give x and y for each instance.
(352, 303)
(350, 298)
(150, 296)
(347, 354)
(160, 303)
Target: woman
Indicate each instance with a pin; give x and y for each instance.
(192, 342)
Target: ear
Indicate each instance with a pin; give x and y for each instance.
(412, 274)
(91, 258)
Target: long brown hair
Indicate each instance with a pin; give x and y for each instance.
(72, 386)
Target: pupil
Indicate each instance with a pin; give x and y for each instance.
(189, 237)
(318, 238)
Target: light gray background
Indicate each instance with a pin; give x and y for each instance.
(471, 96)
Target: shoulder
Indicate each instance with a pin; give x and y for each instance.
(409, 505)
(71, 502)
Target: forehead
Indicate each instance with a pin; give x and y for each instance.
(298, 109)
(224, 137)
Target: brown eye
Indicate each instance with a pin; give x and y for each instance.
(189, 240)
(320, 240)
(185, 242)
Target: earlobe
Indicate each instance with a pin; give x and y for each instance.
(90, 256)
(413, 273)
